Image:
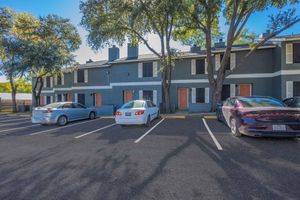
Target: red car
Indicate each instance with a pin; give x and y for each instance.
(259, 116)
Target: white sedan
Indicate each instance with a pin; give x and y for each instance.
(137, 112)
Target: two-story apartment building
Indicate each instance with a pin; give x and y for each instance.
(273, 70)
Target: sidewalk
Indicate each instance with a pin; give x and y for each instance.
(183, 115)
(20, 114)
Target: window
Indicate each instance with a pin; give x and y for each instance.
(68, 105)
(296, 52)
(81, 99)
(289, 101)
(48, 82)
(148, 95)
(59, 81)
(134, 104)
(59, 98)
(48, 99)
(225, 92)
(78, 105)
(200, 66)
(200, 95)
(227, 66)
(80, 76)
(260, 102)
(296, 88)
(148, 69)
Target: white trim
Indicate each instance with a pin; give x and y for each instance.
(193, 95)
(86, 76)
(75, 76)
(190, 81)
(155, 69)
(155, 97)
(136, 83)
(193, 67)
(140, 70)
(206, 93)
(289, 89)
(217, 61)
(232, 90)
(289, 53)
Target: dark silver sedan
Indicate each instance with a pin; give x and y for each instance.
(61, 113)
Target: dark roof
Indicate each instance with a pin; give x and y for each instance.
(100, 63)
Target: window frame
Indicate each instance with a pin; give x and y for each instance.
(200, 99)
(296, 57)
(201, 67)
(147, 69)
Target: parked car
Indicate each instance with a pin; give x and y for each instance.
(259, 116)
(61, 113)
(293, 102)
(137, 112)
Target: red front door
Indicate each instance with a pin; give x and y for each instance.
(182, 98)
(128, 95)
(245, 90)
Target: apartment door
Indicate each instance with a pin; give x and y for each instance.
(182, 98)
(69, 97)
(98, 99)
(127, 95)
(245, 89)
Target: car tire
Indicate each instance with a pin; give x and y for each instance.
(92, 115)
(148, 122)
(234, 128)
(62, 121)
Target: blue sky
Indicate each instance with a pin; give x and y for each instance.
(70, 9)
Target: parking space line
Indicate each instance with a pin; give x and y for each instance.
(94, 131)
(11, 129)
(212, 135)
(140, 138)
(15, 120)
(11, 124)
(61, 127)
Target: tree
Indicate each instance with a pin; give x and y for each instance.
(113, 21)
(52, 51)
(203, 15)
(15, 36)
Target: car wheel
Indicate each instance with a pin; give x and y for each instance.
(92, 115)
(234, 129)
(62, 121)
(148, 121)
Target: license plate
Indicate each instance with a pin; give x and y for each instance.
(279, 128)
(128, 114)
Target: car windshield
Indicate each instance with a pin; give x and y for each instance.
(52, 105)
(260, 102)
(134, 104)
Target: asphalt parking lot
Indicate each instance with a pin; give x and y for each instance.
(191, 158)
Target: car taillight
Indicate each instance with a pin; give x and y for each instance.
(118, 113)
(140, 112)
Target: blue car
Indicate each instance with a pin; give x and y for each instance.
(61, 113)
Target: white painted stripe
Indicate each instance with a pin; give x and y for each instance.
(11, 129)
(144, 135)
(94, 131)
(13, 124)
(212, 136)
(14, 120)
(58, 128)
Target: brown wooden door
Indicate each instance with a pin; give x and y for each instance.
(245, 90)
(98, 99)
(182, 98)
(69, 97)
(128, 95)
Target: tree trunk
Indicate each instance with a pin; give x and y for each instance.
(13, 94)
(36, 91)
(167, 98)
